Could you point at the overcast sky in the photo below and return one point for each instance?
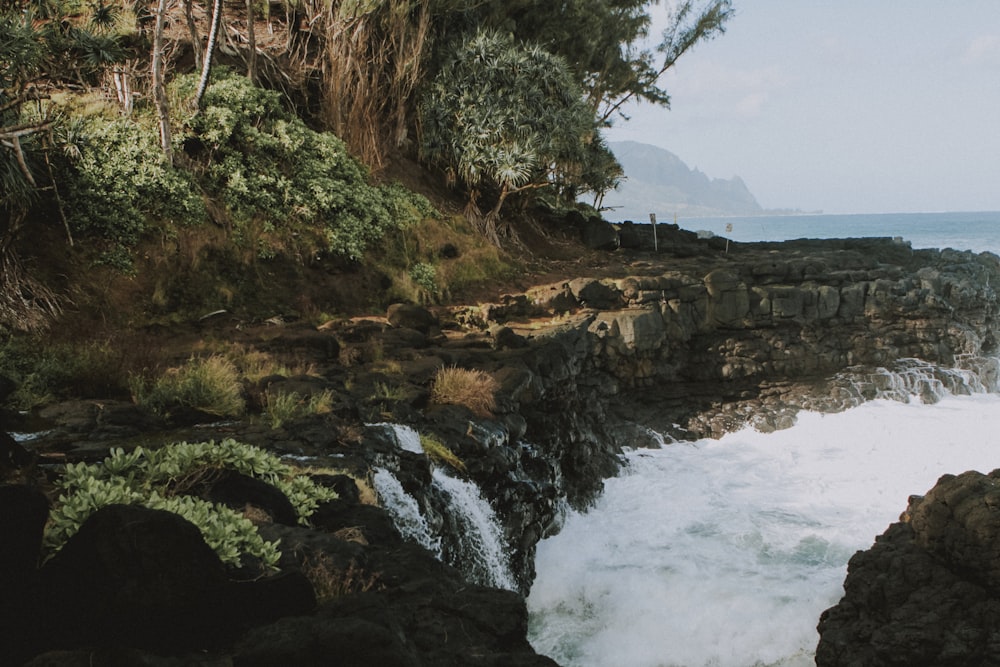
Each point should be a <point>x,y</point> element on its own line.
<point>844,106</point>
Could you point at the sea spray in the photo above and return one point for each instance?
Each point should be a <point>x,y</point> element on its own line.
<point>725,552</point>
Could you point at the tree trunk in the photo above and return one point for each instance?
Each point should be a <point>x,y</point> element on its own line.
<point>193,32</point>
<point>159,86</point>
<point>251,44</point>
<point>206,66</point>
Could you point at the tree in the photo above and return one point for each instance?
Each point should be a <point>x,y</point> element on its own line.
<point>24,302</point>
<point>503,118</point>
<point>159,83</point>
<point>602,40</point>
<point>206,64</point>
<point>36,53</point>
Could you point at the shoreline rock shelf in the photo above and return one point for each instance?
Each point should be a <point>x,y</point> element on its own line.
<point>690,342</point>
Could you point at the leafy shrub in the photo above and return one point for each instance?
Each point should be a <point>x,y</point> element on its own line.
<point>120,185</point>
<point>211,384</point>
<point>474,389</point>
<point>44,374</point>
<point>155,479</point>
<point>425,275</point>
<point>278,178</point>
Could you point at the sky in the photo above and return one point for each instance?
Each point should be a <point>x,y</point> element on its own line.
<point>840,106</point>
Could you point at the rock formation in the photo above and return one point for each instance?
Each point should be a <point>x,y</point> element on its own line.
<point>692,340</point>
<point>928,591</point>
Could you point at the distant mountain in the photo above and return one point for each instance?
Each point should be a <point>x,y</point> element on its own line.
<point>657,181</point>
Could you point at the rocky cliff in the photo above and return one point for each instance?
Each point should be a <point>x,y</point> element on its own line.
<point>926,593</point>
<point>695,339</point>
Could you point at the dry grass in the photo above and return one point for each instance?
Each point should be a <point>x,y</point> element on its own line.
<point>474,389</point>
<point>438,451</point>
<point>330,582</point>
<point>210,384</point>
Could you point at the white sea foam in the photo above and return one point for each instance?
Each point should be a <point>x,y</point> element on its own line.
<point>725,552</point>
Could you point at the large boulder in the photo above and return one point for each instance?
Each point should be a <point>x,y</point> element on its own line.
<point>927,592</point>
<point>598,234</point>
<point>411,316</point>
<point>133,576</point>
<point>23,512</point>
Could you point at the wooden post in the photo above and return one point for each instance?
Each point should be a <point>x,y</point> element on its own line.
<point>652,221</point>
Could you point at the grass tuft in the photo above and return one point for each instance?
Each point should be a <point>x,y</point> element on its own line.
<point>210,384</point>
<point>438,451</point>
<point>283,406</point>
<point>474,389</point>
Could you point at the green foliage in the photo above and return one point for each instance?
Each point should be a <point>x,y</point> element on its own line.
<point>50,372</point>
<point>120,186</point>
<point>425,275</point>
<point>285,406</point>
<point>279,179</point>
<point>211,384</point>
<point>502,116</point>
<point>602,41</point>
<point>155,479</point>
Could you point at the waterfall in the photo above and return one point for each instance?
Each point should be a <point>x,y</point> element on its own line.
<point>405,511</point>
<point>406,437</point>
<point>475,543</point>
<point>482,552</point>
<point>914,378</point>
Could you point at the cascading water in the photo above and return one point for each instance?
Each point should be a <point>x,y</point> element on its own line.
<point>475,542</point>
<point>481,550</point>
<point>914,378</point>
<point>725,552</point>
<point>405,511</point>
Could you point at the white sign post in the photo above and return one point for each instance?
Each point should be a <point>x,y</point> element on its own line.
<point>652,221</point>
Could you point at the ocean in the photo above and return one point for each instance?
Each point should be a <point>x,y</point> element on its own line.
<point>978,231</point>
<point>724,553</point>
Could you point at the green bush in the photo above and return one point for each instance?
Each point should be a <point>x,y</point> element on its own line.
<point>158,478</point>
<point>120,186</point>
<point>425,275</point>
<point>211,384</point>
<point>46,373</point>
<point>281,180</point>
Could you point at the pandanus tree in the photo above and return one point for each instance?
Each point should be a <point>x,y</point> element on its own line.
<point>37,53</point>
<point>503,118</point>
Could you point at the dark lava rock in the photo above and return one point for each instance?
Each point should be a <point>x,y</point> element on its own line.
<point>237,491</point>
<point>23,512</point>
<point>411,317</point>
<point>598,234</point>
<point>145,578</point>
<point>12,454</point>
<point>926,592</point>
